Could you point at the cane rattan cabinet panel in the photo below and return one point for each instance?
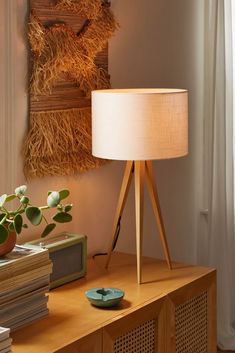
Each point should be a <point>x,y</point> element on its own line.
<point>192,309</point>
<point>191,321</point>
<point>173,311</point>
<point>142,331</point>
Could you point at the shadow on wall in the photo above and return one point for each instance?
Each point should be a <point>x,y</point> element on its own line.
<point>160,44</point>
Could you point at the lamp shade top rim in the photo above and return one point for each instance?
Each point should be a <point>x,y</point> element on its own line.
<point>141,91</point>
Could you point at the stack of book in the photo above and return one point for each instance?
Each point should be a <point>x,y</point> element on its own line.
<point>25,278</point>
<point>5,340</point>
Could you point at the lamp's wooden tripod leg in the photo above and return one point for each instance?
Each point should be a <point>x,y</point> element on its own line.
<point>120,206</point>
<point>157,210</point>
<point>139,196</point>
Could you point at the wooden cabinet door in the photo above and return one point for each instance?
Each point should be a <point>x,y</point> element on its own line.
<point>140,331</point>
<point>91,343</point>
<point>192,310</point>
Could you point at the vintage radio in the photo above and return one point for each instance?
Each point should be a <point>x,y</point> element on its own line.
<point>68,253</point>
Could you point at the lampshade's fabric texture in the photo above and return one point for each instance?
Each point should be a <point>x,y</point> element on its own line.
<point>139,124</point>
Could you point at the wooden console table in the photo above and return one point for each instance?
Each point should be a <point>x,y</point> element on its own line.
<point>171,312</point>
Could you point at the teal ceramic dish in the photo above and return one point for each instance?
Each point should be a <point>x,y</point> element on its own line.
<point>104,297</point>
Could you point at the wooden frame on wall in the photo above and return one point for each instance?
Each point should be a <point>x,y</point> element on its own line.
<point>69,58</point>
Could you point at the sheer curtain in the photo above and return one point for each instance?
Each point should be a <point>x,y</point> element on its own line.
<point>219,137</point>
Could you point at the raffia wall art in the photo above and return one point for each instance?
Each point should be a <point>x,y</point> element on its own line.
<point>69,59</point>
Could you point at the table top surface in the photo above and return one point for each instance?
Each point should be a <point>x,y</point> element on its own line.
<point>71,316</point>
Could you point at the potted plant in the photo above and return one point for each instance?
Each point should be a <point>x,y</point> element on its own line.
<point>12,222</point>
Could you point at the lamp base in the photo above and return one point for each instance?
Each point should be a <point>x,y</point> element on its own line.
<point>142,170</point>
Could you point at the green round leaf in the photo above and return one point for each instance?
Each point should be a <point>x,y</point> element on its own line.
<point>24,199</point>
<point>68,207</point>
<point>34,215</point>
<point>20,190</point>
<point>3,199</point>
<point>3,234</point>
<point>18,222</point>
<point>49,228</point>
<point>63,194</point>
<point>10,197</point>
<point>11,227</point>
<point>62,217</point>
<point>25,225</point>
<point>53,199</point>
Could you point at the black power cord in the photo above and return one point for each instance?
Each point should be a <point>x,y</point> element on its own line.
<point>117,232</point>
<point>118,228</point>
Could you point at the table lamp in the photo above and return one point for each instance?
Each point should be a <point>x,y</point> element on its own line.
<point>138,126</point>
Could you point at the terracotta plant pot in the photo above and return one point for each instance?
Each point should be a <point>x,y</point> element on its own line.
<point>8,245</point>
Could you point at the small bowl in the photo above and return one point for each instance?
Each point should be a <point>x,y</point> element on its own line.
<point>104,297</point>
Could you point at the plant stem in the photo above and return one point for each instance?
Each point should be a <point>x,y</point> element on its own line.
<point>4,219</point>
<point>45,219</point>
<point>44,207</point>
<point>13,213</point>
<point>4,209</point>
<point>19,208</point>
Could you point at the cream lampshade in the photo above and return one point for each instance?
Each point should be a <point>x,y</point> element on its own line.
<point>140,125</point>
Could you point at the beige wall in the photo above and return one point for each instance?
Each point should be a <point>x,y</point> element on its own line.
<point>159,44</point>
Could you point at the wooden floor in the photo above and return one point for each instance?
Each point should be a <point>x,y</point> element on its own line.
<point>219,351</point>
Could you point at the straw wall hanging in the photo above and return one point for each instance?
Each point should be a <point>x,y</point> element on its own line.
<point>68,41</point>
